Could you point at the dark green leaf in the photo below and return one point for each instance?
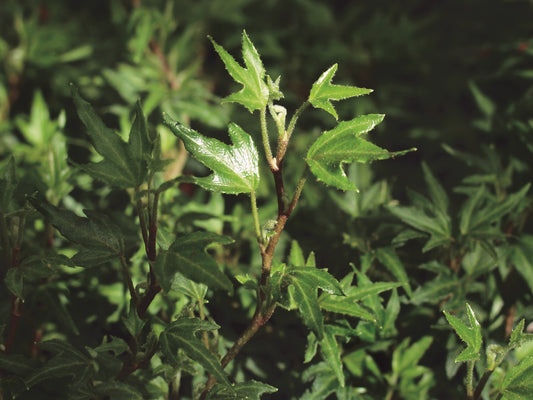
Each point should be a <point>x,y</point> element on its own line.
<point>323,91</point>
<point>8,184</point>
<point>16,363</point>
<point>344,305</point>
<point>436,191</point>
<point>108,144</point>
<point>235,168</point>
<point>470,335</point>
<point>317,278</point>
<point>341,145</point>
<point>139,146</point>
<point>304,292</point>
<point>255,92</point>
<point>132,322</point>
<point>370,289</point>
<point>187,256</point>
<point>116,345</point>
<point>522,258</point>
<point>118,391</point>
<point>251,390</point>
<point>96,233</point>
<point>181,335</point>
<point>388,257</point>
<point>14,281</point>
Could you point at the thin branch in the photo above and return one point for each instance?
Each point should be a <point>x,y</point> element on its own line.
<point>266,140</point>
<point>255,215</point>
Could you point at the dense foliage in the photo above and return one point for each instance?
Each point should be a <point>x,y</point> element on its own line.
<point>188,209</point>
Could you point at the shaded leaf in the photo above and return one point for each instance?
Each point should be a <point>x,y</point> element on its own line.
<point>187,255</point>
<point>331,354</point>
<point>388,257</point>
<point>522,258</point>
<point>323,91</point>
<point>304,293</point>
<point>14,281</point>
<point>181,335</point>
<point>318,278</point>
<point>235,168</point>
<point>518,382</point>
<point>118,391</point>
<point>8,184</point>
<point>436,191</point>
<point>255,92</point>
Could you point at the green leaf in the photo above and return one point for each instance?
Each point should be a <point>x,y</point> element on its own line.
<point>371,289</point>
<point>296,256</point>
<point>388,257</point>
<point>343,144</point>
<point>322,92</point>
<point>14,281</point>
<point>470,335</point>
<point>436,191</point>
<point>8,184</point>
<point>187,256</point>
<point>67,361</point>
<point>331,354</point>
<point>181,335</point>
<point>522,258</point>
<point>255,92</point>
<point>318,278</point>
<point>251,390</point>
<point>518,383</point>
<point>96,233</point>
<point>109,145</point>
<point>344,305</point>
<point>132,322</point>
<point>304,292</point>
<point>406,356</point>
<point>139,146</point>
<point>118,391</point>
<point>16,363</point>
<point>235,168</point>
<point>115,345</point>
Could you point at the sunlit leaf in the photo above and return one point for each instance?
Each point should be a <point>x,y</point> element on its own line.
<point>323,91</point>
<point>235,168</point>
<point>470,335</point>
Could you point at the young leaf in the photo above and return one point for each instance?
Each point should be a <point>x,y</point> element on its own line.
<point>323,91</point>
<point>255,92</point>
<point>343,144</point>
<point>518,383</point>
<point>187,256</point>
<point>251,390</point>
<point>235,168</point>
<point>181,335</point>
<point>117,168</point>
<point>470,335</point>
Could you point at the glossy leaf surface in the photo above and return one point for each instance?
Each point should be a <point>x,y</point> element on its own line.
<point>235,168</point>
<point>343,144</point>
<point>255,92</point>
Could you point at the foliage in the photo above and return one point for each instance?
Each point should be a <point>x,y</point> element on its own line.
<point>148,254</point>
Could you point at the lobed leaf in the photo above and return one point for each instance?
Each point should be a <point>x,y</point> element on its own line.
<point>251,390</point>
<point>235,168</point>
<point>323,91</point>
<point>470,335</point>
<point>187,256</point>
<point>331,354</point>
<point>343,144</point>
<point>304,294</point>
<point>255,92</point>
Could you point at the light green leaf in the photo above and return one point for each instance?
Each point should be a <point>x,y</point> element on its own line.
<point>323,91</point>
<point>518,383</point>
<point>181,335</point>
<point>343,144</point>
<point>108,144</point>
<point>235,168</point>
<point>470,335</point>
<point>255,92</point>
<point>331,354</point>
<point>296,256</point>
<point>388,257</point>
<point>251,390</point>
<point>371,289</point>
<point>187,256</point>
<point>407,356</point>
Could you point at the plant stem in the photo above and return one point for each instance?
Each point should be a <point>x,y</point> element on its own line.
<point>266,140</point>
<point>294,119</point>
<point>470,380</point>
<point>255,215</point>
<point>481,384</point>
